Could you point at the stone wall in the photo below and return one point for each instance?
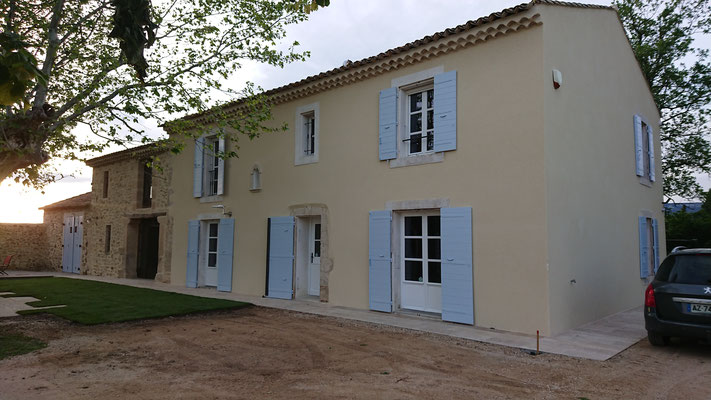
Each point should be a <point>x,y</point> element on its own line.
<point>53,221</point>
<point>28,244</point>
<point>121,206</point>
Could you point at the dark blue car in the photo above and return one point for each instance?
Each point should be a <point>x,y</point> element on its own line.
<point>678,302</point>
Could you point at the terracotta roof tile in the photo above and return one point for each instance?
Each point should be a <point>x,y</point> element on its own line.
<point>507,12</point>
<point>81,201</point>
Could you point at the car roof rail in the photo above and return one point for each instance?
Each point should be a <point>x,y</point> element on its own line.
<point>678,248</point>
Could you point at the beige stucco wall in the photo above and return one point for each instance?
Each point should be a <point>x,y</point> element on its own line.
<point>497,169</point>
<point>593,194</point>
<point>118,209</point>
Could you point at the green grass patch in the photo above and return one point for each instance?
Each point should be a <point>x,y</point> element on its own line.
<point>16,344</point>
<point>90,302</point>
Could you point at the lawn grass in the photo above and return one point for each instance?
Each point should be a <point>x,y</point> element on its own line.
<point>90,302</point>
<point>16,344</point>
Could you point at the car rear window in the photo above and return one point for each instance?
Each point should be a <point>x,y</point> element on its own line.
<point>692,269</point>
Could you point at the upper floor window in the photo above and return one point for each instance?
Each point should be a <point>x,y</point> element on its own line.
<point>420,121</point>
<point>212,165</point>
<point>105,192</point>
<point>644,150</point>
<point>418,118</point>
<point>147,185</point>
<point>306,134</point>
<point>209,167</point>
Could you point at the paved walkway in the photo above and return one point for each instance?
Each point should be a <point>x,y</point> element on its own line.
<point>598,340</point>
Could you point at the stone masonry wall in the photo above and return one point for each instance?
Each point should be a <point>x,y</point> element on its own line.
<point>118,209</point>
<point>28,244</point>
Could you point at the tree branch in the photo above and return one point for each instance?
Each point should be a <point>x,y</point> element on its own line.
<point>41,93</point>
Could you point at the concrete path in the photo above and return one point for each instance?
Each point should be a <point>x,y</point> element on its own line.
<point>599,340</point>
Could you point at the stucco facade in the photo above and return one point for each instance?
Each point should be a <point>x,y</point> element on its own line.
<point>125,208</point>
<point>538,167</point>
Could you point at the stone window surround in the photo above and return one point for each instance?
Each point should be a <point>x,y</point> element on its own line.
<point>300,158</point>
<point>404,84</point>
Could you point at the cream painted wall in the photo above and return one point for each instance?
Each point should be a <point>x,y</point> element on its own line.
<point>593,194</point>
<point>497,169</point>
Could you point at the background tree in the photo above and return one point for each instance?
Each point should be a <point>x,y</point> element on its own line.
<point>662,34</point>
<point>690,229</point>
<point>93,71</point>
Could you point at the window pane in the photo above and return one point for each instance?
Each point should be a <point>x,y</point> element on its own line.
<point>213,230</point>
<point>415,102</point>
<point>430,98</point>
<point>413,271</point>
<point>213,244</point>
<point>413,226</point>
<point>433,225</point>
<point>212,260</point>
<point>416,122</point>
<point>317,248</point>
<point>430,140</point>
<point>434,272</point>
<point>433,249</point>
<point>413,248</point>
<point>415,143</point>
<point>430,119</point>
<point>317,231</point>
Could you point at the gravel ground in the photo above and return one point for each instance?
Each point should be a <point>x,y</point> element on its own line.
<point>275,354</point>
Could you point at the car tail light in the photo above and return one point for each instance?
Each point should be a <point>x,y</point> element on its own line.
<point>649,297</point>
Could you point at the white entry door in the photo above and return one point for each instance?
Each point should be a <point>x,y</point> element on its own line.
<point>421,280</point>
<point>210,262</point>
<point>314,256</point>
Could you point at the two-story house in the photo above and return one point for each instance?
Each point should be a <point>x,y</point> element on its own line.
<point>127,229</point>
<point>502,173</point>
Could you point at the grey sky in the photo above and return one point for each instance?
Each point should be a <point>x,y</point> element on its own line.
<point>346,30</point>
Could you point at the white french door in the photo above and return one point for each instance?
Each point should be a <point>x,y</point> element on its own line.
<point>421,278</point>
<point>210,262</point>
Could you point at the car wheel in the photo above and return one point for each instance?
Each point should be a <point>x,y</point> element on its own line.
<point>656,339</point>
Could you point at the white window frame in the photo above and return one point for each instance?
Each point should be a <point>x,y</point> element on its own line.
<point>406,85</point>
<point>302,154</point>
<point>424,237</point>
<point>422,88</point>
<point>211,165</point>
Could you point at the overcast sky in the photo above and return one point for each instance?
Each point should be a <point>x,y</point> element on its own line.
<point>346,30</point>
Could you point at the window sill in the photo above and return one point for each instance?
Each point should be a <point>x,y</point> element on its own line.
<point>210,199</point>
<point>645,181</point>
<point>306,160</point>
<point>419,159</point>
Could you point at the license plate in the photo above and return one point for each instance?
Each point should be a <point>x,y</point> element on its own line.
<point>699,308</point>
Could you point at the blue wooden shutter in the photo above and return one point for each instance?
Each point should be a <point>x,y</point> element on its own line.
<point>457,272</point>
<point>445,111</point>
<point>388,124</point>
<point>643,248</point>
<point>638,144</point>
<point>656,244</point>
<point>78,240</point>
<point>281,257</point>
<point>225,251</point>
<point>191,275</point>
<point>68,243</point>
<point>221,167</point>
<point>197,167</point>
<point>650,139</point>
<point>379,256</point>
